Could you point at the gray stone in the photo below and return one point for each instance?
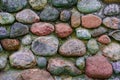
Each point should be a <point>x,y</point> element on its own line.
<point>3,33</point>
<point>116,67</point>
<point>41,62</point>
<point>3,62</point>
<point>80,63</point>
<point>65,15</point>
<point>27,40</point>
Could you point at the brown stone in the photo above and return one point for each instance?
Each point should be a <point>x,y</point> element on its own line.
<point>36,74</point>
<point>42,28</point>
<point>104,39</point>
<point>91,21</point>
<point>63,30</point>
<point>10,44</point>
<point>98,67</point>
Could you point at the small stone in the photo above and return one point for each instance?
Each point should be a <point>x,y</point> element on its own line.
<point>104,39</point>
<point>36,74</point>
<point>3,33</point>
<point>112,51</point>
<point>42,28</point>
<point>87,6</point>
<point>80,63</point>
<point>112,9</point>
<point>1,49</point>
<point>26,40</point>
<point>6,18</point>
<point>65,15</point>
<point>75,19</point>
<point>58,66</point>
<point>37,4</point>
<point>63,30</point>
<point>112,22</point>
<point>13,5</point>
<point>64,3</point>
<point>83,33</point>
<point>49,14</point>
<point>91,21</point>
<point>115,34</point>
<point>27,16</point>
<point>10,44</point>
<point>116,67</point>
<point>41,62</point>
<point>22,59</point>
<point>73,47</point>
<point>92,46</point>
<point>98,67</point>
<point>18,29</point>
<point>98,31</point>
<point>45,46</point>
<point>3,62</point>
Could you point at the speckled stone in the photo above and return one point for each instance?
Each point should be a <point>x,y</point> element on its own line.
<point>27,16</point>
<point>115,35</point>
<point>23,58</point>
<point>87,6</point>
<point>45,46</point>
<point>116,67</point>
<point>83,33</point>
<point>13,5</point>
<point>6,18</point>
<point>49,14</point>
<point>37,4</point>
<point>80,63</point>
<point>1,49</point>
<point>3,33</point>
<point>26,40</point>
<point>65,15</point>
<point>72,47</point>
<point>104,39</point>
<point>18,29</point>
<point>3,62</point>
<point>41,62</point>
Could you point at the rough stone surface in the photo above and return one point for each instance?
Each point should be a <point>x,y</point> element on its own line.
<point>10,44</point>
<point>45,46</point>
<point>115,34</point>
<point>41,62</point>
<point>27,16</point>
<point>73,47</point>
<point>63,30</point>
<point>36,74</point>
<point>59,66</point>
<point>91,21</point>
<point>104,39</point>
<point>3,33</point>
<point>22,59</point>
<point>26,40</point>
<point>65,15</point>
<point>3,62</point>
<point>98,67</point>
<point>42,28</point>
<point>80,63</point>
<point>112,51</point>
<point>116,67</point>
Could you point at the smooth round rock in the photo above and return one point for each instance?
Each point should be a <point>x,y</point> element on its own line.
<point>10,44</point>
<point>41,62</point>
<point>92,46</point>
<point>73,47</point>
<point>22,59</point>
<point>3,33</point>
<point>49,14</point>
<point>37,4</point>
<point>65,15</point>
<point>57,66</point>
<point>63,30</point>
<point>83,33</point>
<point>36,74</point>
<point>115,34</point>
<point>13,5</point>
<point>42,28</point>
<point>112,51</point>
<point>111,10</point>
<point>64,3</point>
<point>116,67</point>
<point>87,6</point>
<point>18,29</point>
<point>45,46</point>
<point>27,16</point>
<point>3,62</point>
<point>80,63</point>
<point>26,40</point>
<point>6,18</point>
<point>98,67</point>
<point>112,22</point>
<point>91,21</point>
<point>104,39</point>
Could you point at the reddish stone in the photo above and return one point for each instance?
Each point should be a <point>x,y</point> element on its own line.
<point>98,67</point>
<point>91,21</point>
<point>42,28</point>
<point>104,39</point>
<point>10,44</point>
<point>63,30</point>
